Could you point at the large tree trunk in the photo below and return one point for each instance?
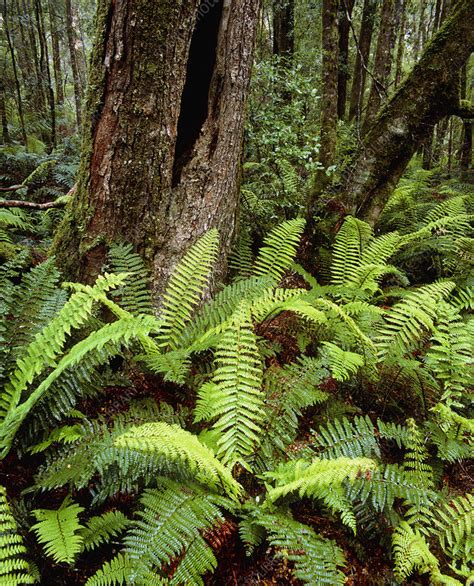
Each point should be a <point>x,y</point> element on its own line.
<point>362,59</point>
<point>163,132</point>
<point>345,14</point>
<point>383,59</point>
<point>426,96</point>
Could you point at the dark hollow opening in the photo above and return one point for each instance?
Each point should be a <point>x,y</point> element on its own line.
<point>195,98</point>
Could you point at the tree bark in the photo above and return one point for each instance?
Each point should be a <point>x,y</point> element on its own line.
<point>58,76</point>
<point>158,171</point>
<point>362,59</point>
<point>74,57</point>
<point>383,60</point>
<point>401,44</point>
<point>284,28</point>
<point>3,114</point>
<point>345,14</point>
<point>426,96</point>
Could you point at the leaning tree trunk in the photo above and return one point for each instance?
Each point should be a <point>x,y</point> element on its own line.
<point>163,133</point>
<point>362,59</point>
<point>426,96</point>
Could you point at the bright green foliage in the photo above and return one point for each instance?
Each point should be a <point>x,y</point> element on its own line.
<point>60,531</point>
<point>411,552</point>
<point>412,318</point>
<point>341,437</point>
<point>241,258</point>
<point>134,293</point>
<point>235,399</point>
<point>279,249</point>
<point>343,365</point>
<point>313,478</point>
<point>317,560</point>
<point>171,525</point>
<point>14,569</point>
<point>453,524</point>
<point>186,287</point>
<point>170,443</point>
<point>103,528</point>
<point>118,571</point>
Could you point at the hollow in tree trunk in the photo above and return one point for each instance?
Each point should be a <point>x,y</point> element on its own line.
<point>163,133</point>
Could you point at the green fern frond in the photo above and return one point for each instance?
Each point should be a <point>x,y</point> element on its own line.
<point>101,529</point>
<point>170,443</point>
<point>60,531</point>
<point>236,401</point>
<point>411,319</point>
<point>347,250</point>
<point>317,560</point>
<point>117,571</point>
<point>186,287</point>
<point>134,293</point>
<point>342,437</point>
<point>279,249</point>
<point>312,478</point>
<point>241,258</point>
<point>171,526</point>
<point>411,552</point>
<point>14,569</point>
<point>453,524</point>
<point>343,365</point>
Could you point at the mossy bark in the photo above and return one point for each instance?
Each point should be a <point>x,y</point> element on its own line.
<point>162,134</point>
<point>425,97</point>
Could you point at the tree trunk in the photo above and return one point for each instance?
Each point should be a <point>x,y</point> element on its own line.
<point>15,73</point>
<point>45,72</point>
<point>426,96</point>
<point>158,171</point>
<point>465,150</point>
<point>401,44</point>
<point>383,60</point>
<point>284,28</point>
<point>3,114</point>
<point>420,34</point>
<point>58,76</point>
<point>75,62</point>
<point>345,14</point>
<point>362,59</point>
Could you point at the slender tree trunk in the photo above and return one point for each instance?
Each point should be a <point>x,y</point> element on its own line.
<point>159,171</point>
<point>284,28</point>
<point>3,114</point>
<point>383,60</point>
<point>465,150</point>
<point>362,59</point>
<point>39,94</point>
<point>420,34</point>
<point>345,14</point>
<point>58,76</point>
<point>46,72</point>
<point>75,62</point>
<point>427,95</point>
<point>401,44</point>
<point>15,73</point>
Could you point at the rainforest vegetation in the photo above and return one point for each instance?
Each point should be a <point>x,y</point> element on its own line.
<point>236,292</point>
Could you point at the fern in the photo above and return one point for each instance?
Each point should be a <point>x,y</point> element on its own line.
<point>169,443</point>
<point>101,529</point>
<point>117,571</point>
<point>452,524</point>
<point>241,258</point>
<point>186,287</point>
<point>279,249</point>
<point>313,478</point>
<point>134,293</point>
<point>352,439</point>
<point>411,552</point>
<point>236,399</point>
<point>343,365</point>
<point>14,569</point>
<point>60,531</point>
<point>169,527</point>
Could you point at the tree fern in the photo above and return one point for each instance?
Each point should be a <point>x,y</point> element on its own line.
<point>14,568</point>
<point>279,249</point>
<point>170,443</point>
<point>186,287</point>
<point>236,401</point>
<point>60,531</point>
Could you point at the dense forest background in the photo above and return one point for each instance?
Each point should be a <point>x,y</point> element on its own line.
<point>236,268</point>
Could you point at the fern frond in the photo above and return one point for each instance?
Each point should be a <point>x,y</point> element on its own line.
<point>14,569</point>
<point>186,287</point>
<point>342,437</point>
<point>343,365</point>
<point>117,571</point>
<point>347,250</point>
<point>411,552</point>
<point>170,443</point>
<point>453,523</point>
<point>241,258</point>
<point>311,478</point>
<point>279,249</point>
<point>101,529</point>
<point>60,531</point>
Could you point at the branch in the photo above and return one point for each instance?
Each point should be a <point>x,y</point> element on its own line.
<point>32,205</point>
<point>12,188</point>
